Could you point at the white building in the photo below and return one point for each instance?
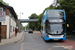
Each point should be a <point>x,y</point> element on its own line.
<point>8,26</point>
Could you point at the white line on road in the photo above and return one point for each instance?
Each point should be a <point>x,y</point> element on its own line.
<point>65,47</point>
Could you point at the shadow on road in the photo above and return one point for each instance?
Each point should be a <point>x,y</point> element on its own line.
<point>54,41</point>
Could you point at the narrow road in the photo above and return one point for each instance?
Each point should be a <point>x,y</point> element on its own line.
<point>31,41</point>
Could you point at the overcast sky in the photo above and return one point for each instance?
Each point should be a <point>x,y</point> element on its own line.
<point>27,7</point>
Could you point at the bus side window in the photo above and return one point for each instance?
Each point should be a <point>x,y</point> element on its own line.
<point>61,13</point>
<point>46,25</point>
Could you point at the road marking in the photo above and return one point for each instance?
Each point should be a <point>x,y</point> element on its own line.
<point>64,46</point>
<point>22,46</point>
<point>60,45</point>
<point>50,48</point>
<point>40,44</point>
<point>21,43</point>
<point>35,49</point>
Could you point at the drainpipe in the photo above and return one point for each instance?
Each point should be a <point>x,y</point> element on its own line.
<point>9,26</point>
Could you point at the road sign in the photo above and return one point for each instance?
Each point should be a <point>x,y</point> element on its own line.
<point>2,16</point>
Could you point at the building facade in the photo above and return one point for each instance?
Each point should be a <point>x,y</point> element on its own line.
<point>8,26</point>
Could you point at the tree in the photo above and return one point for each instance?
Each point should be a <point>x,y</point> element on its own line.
<point>4,2</point>
<point>33,16</point>
<point>27,27</point>
<point>33,26</point>
<point>69,7</point>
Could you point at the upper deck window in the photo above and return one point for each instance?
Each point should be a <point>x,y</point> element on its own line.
<point>55,13</point>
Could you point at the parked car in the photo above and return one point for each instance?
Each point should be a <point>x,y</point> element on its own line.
<point>30,31</point>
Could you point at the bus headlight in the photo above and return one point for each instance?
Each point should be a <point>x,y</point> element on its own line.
<point>63,34</point>
<point>47,35</point>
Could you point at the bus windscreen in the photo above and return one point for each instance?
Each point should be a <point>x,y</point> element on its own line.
<point>54,29</point>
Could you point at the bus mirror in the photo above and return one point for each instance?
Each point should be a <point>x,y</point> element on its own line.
<point>67,25</point>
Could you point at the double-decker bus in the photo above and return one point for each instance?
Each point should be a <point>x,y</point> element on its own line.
<point>53,25</point>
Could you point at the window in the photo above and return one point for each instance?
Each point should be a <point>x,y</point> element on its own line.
<point>1,9</point>
<point>4,9</point>
<point>54,28</point>
<point>55,13</point>
<point>56,20</point>
<point>41,28</point>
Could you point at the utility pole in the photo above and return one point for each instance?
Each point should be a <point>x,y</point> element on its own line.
<point>20,18</point>
<point>20,14</point>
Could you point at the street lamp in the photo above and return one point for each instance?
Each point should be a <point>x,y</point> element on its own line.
<point>20,14</point>
<point>20,18</point>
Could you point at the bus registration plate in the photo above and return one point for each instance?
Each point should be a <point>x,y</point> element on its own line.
<point>56,39</point>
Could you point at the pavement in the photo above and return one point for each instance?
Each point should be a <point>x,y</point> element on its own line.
<point>71,37</point>
<point>14,39</point>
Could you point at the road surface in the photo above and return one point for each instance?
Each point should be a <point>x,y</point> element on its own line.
<point>31,41</point>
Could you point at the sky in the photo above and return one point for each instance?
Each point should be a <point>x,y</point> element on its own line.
<point>28,7</point>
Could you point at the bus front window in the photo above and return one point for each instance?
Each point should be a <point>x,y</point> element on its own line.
<point>54,28</point>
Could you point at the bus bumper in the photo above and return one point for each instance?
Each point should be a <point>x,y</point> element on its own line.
<point>47,38</point>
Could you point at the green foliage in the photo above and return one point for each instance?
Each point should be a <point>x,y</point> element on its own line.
<point>21,24</point>
<point>40,18</point>
<point>4,2</point>
<point>16,14</point>
<point>33,25</point>
<point>69,7</point>
<point>27,27</point>
<point>33,16</point>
